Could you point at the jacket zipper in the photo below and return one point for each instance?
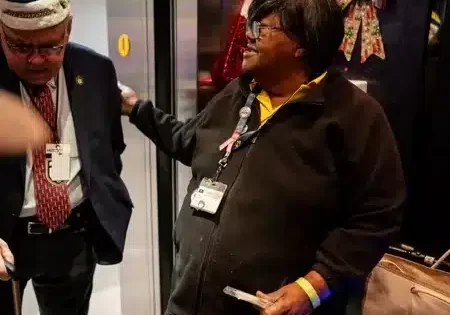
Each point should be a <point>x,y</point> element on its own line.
<point>206,257</point>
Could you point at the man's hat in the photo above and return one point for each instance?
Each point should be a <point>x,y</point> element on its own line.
<point>33,14</point>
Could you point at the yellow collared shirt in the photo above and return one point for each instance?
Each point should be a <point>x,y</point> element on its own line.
<point>268,110</point>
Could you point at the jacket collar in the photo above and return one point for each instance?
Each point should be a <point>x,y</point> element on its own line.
<point>314,97</point>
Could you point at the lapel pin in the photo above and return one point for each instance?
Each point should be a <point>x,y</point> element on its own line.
<point>79,80</point>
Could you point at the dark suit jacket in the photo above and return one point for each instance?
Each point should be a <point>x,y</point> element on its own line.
<point>95,106</point>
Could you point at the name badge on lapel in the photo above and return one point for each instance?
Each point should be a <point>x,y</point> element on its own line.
<point>208,196</point>
<point>57,162</point>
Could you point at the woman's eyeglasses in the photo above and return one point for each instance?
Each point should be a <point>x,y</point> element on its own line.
<point>255,28</point>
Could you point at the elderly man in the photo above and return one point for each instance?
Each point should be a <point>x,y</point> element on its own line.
<point>296,183</point>
<point>63,205</point>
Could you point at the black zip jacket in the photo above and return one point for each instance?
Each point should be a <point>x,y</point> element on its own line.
<point>319,187</point>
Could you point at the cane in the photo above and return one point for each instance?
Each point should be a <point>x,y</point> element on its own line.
<point>15,288</point>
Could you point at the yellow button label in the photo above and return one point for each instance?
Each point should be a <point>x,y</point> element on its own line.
<point>123,45</point>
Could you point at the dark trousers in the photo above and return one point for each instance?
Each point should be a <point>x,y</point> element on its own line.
<point>60,266</point>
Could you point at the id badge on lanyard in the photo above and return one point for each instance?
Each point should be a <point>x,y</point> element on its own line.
<point>57,162</point>
<point>208,196</point>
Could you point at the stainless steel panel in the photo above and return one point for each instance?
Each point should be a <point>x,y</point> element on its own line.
<point>138,273</point>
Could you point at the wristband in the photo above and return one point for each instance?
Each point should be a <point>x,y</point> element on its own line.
<point>310,292</point>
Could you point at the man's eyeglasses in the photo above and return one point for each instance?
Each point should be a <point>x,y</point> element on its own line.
<point>28,50</point>
<point>255,28</point>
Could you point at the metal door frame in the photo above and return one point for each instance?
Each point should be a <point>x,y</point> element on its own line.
<point>165,48</point>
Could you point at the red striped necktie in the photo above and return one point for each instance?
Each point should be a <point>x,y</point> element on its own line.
<point>52,199</point>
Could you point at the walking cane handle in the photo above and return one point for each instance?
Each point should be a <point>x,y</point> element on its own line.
<point>10,268</point>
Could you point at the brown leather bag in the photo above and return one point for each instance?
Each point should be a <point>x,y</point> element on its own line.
<point>398,286</point>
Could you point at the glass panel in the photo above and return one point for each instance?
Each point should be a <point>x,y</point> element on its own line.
<point>139,273</point>
<point>218,21</point>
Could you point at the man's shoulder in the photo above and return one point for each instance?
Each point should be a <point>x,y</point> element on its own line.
<point>85,54</point>
<point>235,86</point>
<point>229,91</point>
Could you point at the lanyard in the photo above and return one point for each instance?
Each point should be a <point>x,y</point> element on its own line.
<point>244,114</point>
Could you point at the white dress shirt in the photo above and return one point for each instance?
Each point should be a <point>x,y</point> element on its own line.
<point>66,132</point>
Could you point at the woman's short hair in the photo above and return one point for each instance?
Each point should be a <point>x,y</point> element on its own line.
<point>317,25</point>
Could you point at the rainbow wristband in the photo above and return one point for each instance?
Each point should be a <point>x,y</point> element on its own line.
<point>310,292</point>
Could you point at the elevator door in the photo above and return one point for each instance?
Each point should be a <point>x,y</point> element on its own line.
<point>130,25</point>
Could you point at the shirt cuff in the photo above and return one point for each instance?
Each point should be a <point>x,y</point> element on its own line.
<point>327,275</point>
<point>134,111</point>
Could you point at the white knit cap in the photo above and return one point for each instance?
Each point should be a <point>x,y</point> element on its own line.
<point>33,14</point>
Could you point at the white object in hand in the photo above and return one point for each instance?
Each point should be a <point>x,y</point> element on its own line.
<point>252,299</point>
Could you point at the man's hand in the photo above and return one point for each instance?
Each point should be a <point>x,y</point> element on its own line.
<point>5,254</point>
<point>289,300</point>
<point>20,127</point>
<point>129,99</point>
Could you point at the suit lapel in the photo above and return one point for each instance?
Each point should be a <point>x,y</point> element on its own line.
<point>10,82</point>
<point>77,94</point>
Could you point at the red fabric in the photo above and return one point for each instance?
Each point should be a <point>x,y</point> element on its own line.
<point>52,200</point>
<point>228,65</point>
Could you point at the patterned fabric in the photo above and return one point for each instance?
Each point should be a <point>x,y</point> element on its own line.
<point>362,14</point>
<point>380,4</point>
<point>52,199</point>
<point>435,25</point>
<point>30,15</point>
<point>33,14</point>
